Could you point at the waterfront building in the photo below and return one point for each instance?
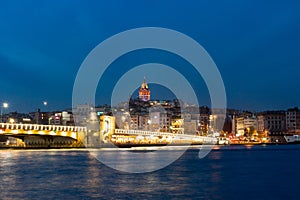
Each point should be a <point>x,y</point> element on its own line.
<point>271,122</point>
<point>246,125</point>
<point>228,123</point>
<point>203,123</point>
<point>233,126</point>
<point>293,120</point>
<point>216,122</point>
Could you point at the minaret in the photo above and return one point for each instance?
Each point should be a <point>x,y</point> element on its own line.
<point>144,93</point>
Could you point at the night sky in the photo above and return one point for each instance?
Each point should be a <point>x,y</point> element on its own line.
<point>255,45</point>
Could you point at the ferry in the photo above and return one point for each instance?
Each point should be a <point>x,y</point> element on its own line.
<point>292,138</point>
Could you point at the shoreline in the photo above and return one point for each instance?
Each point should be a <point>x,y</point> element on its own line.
<point>140,146</point>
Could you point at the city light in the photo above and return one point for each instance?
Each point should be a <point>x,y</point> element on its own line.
<point>5,105</point>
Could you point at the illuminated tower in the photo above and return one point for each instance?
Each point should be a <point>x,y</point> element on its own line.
<point>144,93</point>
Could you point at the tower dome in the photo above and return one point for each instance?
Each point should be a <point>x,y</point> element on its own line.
<point>144,93</point>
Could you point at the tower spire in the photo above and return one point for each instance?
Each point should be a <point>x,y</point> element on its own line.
<point>144,84</point>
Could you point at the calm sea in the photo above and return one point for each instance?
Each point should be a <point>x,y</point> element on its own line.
<point>231,172</point>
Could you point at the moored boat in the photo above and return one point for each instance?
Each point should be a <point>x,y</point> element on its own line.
<point>292,138</point>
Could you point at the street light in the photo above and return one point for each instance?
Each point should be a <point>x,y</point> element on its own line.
<point>4,105</point>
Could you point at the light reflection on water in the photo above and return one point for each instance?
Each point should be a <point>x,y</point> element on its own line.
<point>227,173</point>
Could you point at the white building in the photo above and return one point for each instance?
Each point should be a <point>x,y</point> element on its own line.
<point>245,124</point>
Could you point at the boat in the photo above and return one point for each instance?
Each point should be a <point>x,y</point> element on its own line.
<point>292,139</point>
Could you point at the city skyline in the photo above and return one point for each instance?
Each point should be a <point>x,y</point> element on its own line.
<point>254,44</point>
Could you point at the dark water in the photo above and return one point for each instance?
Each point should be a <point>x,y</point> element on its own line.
<point>234,172</point>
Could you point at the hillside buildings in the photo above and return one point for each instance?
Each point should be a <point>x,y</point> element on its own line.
<point>143,113</point>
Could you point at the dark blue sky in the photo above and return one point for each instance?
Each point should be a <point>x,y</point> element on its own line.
<point>255,45</point>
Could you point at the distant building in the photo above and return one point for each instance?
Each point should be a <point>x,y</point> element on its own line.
<point>139,122</point>
<point>245,125</point>
<point>15,117</point>
<point>82,114</point>
<point>134,122</point>
<point>159,121</point>
<point>203,123</point>
<point>39,117</point>
<point>216,122</point>
<point>144,122</point>
<point>190,127</point>
<point>293,120</point>
<point>55,119</point>
<point>62,118</point>
<point>144,93</point>
<point>271,122</point>
<point>177,126</point>
<point>122,120</point>
<point>228,123</point>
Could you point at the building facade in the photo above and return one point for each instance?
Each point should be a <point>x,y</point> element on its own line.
<point>271,122</point>
<point>293,120</point>
<point>245,125</point>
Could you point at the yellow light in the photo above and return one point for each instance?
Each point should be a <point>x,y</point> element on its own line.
<point>41,132</point>
<point>73,135</point>
<point>52,133</point>
<point>14,131</point>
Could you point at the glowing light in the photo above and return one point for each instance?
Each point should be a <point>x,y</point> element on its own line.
<point>73,135</point>
<point>5,105</point>
<point>52,133</point>
<point>41,132</point>
<point>11,120</point>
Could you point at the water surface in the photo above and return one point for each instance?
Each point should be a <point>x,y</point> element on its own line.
<point>231,172</point>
